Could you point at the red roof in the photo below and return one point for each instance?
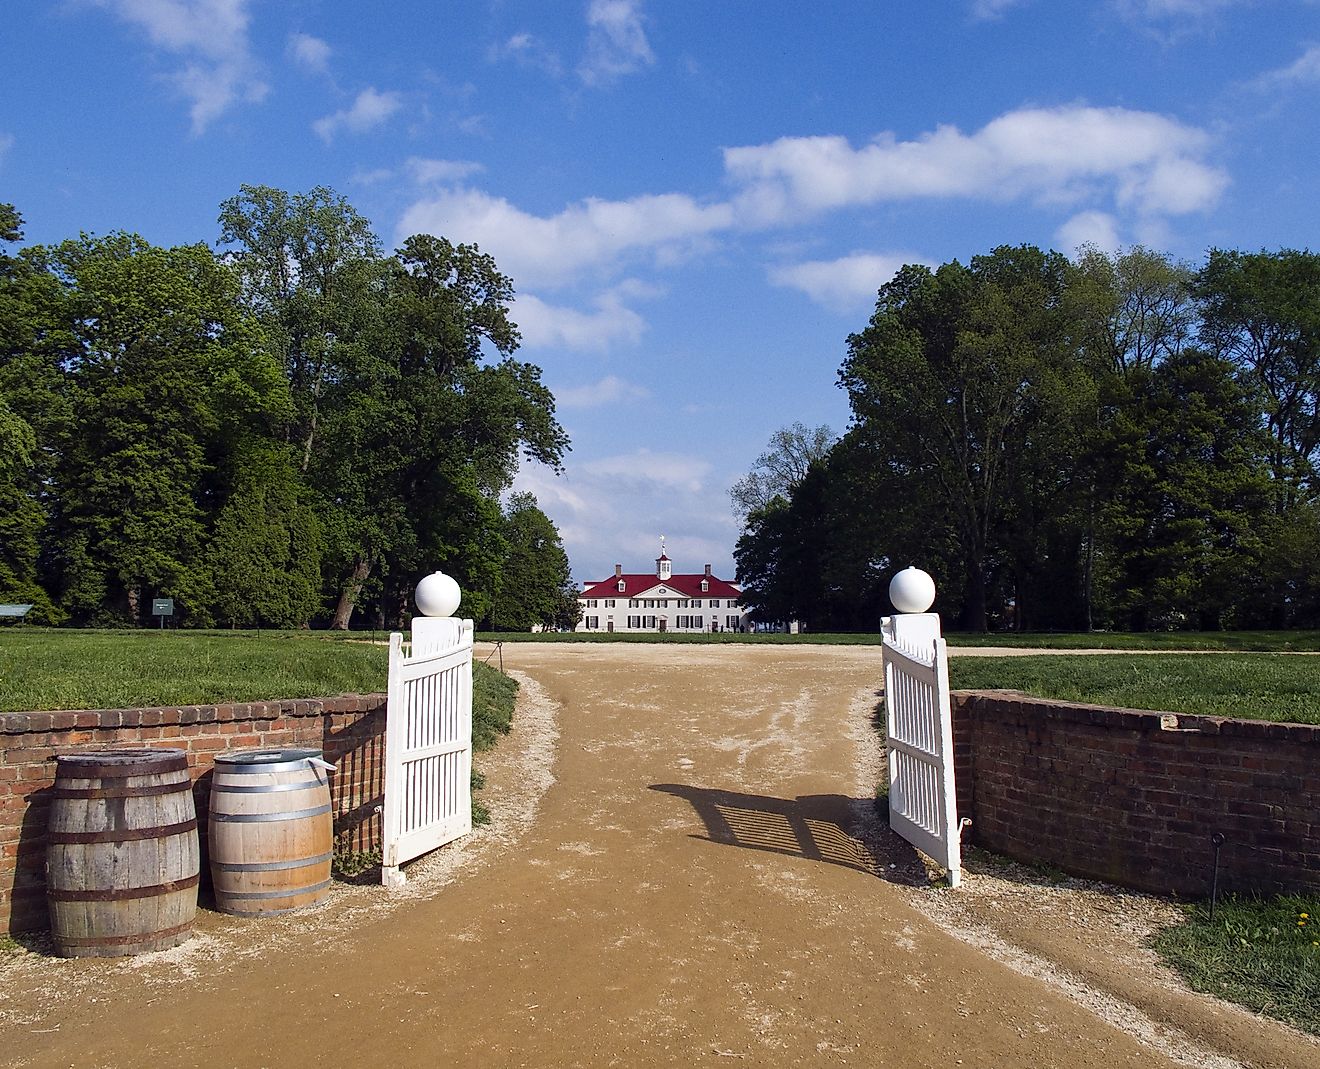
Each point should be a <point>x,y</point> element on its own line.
<point>681,586</point>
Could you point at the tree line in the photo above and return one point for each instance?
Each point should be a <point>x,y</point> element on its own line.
<point>286,431</point>
<point>1117,441</point>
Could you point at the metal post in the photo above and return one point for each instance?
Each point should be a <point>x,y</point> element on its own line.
<point>1217,840</point>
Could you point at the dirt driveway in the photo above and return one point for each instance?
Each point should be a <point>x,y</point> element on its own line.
<point>680,872</point>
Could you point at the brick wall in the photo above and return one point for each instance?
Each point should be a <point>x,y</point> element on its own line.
<point>1134,797</point>
<point>349,730</point>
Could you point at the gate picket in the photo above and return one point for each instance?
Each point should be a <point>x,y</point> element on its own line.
<point>428,747</point>
<point>919,727</point>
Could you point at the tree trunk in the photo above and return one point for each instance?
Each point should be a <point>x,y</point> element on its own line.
<point>973,610</point>
<point>349,594</point>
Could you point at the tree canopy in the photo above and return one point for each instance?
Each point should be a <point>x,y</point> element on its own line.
<point>284,432</point>
<point>1117,441</point>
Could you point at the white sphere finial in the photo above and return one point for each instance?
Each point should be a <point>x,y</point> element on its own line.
<point>437,595</point>
<point>912,590</point>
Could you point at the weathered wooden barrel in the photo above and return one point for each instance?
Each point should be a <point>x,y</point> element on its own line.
<point>121,853</point>
<point>270,831</point>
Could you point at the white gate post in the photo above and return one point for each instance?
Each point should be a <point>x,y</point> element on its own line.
<point>923,805</point>
<point>428,731</point>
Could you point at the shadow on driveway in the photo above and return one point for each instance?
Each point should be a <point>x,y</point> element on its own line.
<point>818,827</point>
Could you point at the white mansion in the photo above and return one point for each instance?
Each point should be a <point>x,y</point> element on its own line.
<point>661,601</point>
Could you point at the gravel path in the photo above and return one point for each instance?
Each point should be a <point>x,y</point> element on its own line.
<point>684,869</point>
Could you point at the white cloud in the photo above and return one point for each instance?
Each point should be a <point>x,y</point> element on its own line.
<point>645,469</point>
<point>844,284</point>
<point>1174,9</point>
<point>616,41</point>
<point>310,53</point>
<point>611,390</point>
<point>1089,228</point>
<point>370,109</point>
<point>1302,71</point>
<point>372,177</point>
<point>432,172</point>
<point>992,9</point>
<point>615,509</point>
<point>543,324</point>
<point>539,251</point>
<point>528,50</point>
<point>1141,164</point>
<point>1056,155</point>
<point>210,37</point>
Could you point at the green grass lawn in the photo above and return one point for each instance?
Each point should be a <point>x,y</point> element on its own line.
<point>1261,953</point>
<point>683,637</point>
<point>52,669</point>
<point>1228,641</point>
<point>1253,686</point>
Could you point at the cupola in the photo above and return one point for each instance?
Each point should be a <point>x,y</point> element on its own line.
<point>663,566</point>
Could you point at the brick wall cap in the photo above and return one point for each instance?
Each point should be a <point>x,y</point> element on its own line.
<point>1144,719</point>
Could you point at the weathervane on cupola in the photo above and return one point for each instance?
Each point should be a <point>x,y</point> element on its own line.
<point>663,567</point>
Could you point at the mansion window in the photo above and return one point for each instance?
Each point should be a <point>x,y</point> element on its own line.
<point>609,603</point>
<point>593,622</point>
<point>696,603</point>
<point>634,622</point>
<point>591,603</point>
<point>731,623</point>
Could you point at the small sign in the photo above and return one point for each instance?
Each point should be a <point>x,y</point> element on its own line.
<point>162,606</point>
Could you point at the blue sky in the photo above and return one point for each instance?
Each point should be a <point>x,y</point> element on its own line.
<point>696,201</point>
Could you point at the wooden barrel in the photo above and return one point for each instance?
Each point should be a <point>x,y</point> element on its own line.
<point>270,831</point>
<point>121,853</point>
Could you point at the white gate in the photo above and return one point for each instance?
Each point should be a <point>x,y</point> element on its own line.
<point>428,743</point>
<point>919,726</point>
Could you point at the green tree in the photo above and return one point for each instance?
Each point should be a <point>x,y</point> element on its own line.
<point>21,518</point>
<point>32,411</point>
<point>536,585</point>
<point>264,555</point>
<point>408,430</point>
<point>781,468</point>
<point>1183,525</point>
<point>164,371</point>
<point>1262,312</point>
<point>962,377</point>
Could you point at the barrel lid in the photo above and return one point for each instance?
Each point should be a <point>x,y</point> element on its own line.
<point>122,762</point>
<point>255,761</point>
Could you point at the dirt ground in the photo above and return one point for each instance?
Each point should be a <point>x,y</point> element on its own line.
<point>684,868</point>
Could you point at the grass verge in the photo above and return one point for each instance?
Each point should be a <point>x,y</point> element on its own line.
<point>1221,641</point>
<point>719,638</point>
<point>493,698</point>
<point>1250,686</point>
<point>50,669</point>
<point>1173,641</point>
<point>1263,954</point>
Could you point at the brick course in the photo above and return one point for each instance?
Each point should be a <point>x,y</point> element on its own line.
<point>350,730</point>
<point>1134,797</point>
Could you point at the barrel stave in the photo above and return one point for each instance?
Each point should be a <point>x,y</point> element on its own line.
<point>123,859</point>
<point>270,834</point>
